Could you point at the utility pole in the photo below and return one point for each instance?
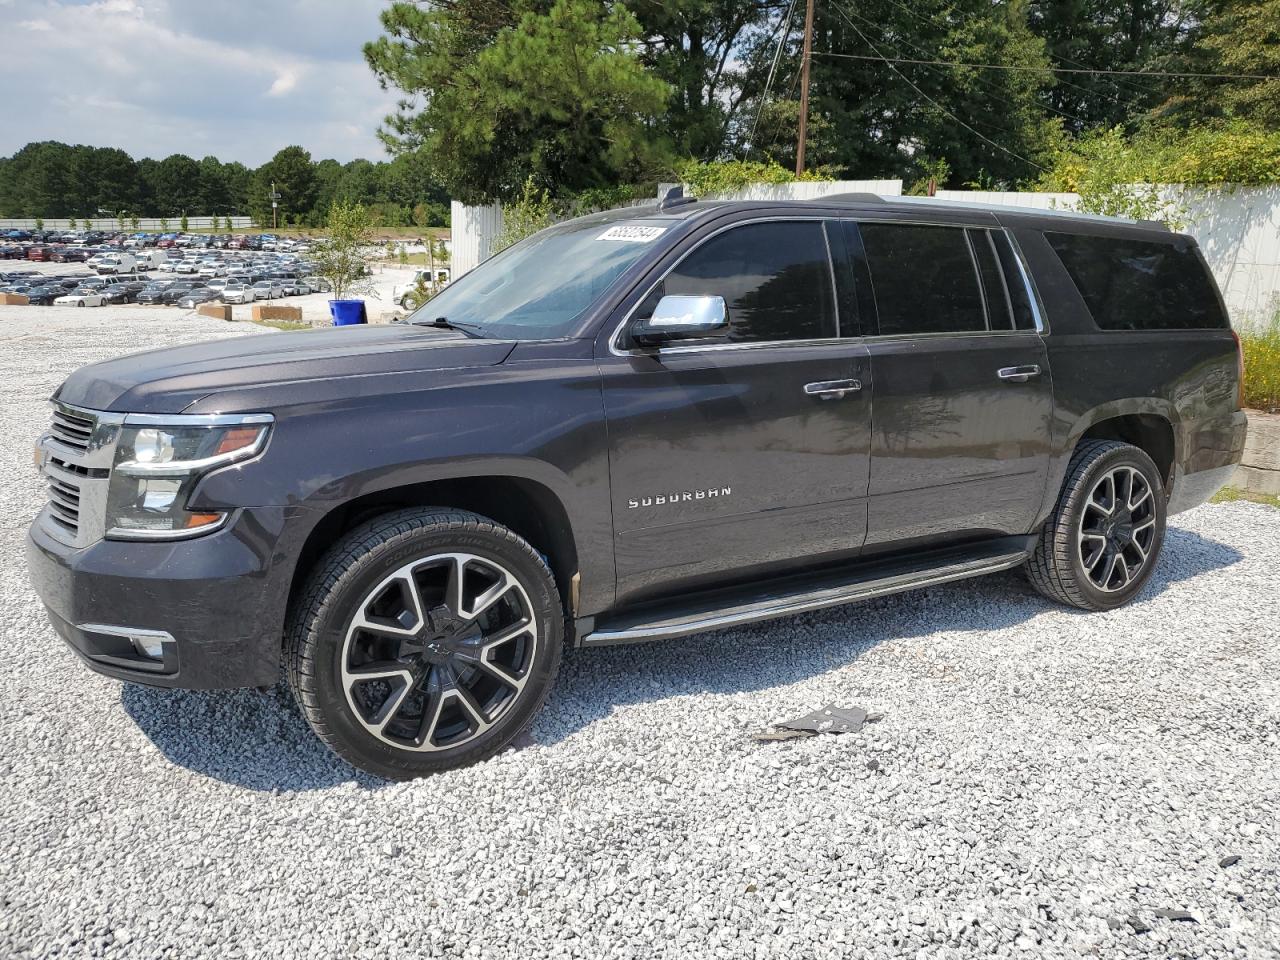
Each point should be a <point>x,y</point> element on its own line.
<point>275,204</point>
<point>804,85</point>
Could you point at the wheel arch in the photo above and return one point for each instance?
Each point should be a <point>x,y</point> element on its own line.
<point>1150,424</point>
<point>526,506</point>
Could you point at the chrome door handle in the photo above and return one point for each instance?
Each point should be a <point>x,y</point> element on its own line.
<point>832,389</point>
<point>1018,374</point>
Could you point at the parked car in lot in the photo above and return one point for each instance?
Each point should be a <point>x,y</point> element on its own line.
<point>238,293</point>
<point>81,298</point>
<point>39,254</point>
<point>43,295</point>
<point>114,263</point>
<point>863,396</point>
<point>153,293</point>
<point>70,255</point>
<point>178,290</point>
<point>295,288</point>
<point>267,290</point>
<point>193,298</point>
<point>123,292</point>
<point>185,266</point>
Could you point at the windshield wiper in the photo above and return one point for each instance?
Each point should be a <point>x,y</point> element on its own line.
<point>444,323</point>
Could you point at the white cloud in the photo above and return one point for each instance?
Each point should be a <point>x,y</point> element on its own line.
<point>285,81</point>
<point>238,78</point>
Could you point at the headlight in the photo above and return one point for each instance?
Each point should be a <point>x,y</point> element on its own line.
<point>159,461</point>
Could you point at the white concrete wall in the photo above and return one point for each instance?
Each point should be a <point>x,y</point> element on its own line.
<point>1239,231</point>
<point>151,224</point>
<point>472,233</point>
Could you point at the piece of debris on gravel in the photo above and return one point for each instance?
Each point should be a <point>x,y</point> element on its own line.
<point>1139,746</point>
<point>1182,916</point>
<point>830,719</point>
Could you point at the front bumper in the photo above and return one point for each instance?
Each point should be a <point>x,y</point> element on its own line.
<point>221,597</point>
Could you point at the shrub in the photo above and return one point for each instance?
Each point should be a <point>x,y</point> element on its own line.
<point>1262,365</point>
<point>340,258</point>
<point>726,176</point>
<point>533,211</point>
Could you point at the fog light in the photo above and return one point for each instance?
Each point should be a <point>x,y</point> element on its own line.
<point>151,647</point>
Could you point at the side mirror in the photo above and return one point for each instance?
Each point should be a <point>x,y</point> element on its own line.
<point>681,318</point>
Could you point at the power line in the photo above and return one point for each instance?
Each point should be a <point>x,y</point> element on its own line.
<point>785,26</point>
<point>937,106</point>
<point>988,84</point>
<point>1065,59</point>
<point>1021,69</point>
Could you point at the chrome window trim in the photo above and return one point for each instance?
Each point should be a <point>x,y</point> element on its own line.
<point>614,338</point>
<point>977,276</point>
<point>1033,295</point>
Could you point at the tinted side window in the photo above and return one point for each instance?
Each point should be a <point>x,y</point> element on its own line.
<point>924,279</point>
<point>775,279</point>
<point>1139,285</point>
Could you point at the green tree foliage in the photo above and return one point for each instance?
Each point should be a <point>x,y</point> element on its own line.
<point>526,215</point>
<point>175,184</point>
<point>497,94</point>
<point>1118,175</point>
<point>697,47</point>
<point>872,118</point>
<point>340,257</point>
<point>292,173</point>
<point>1131,35</point>
<point>1233,37</point>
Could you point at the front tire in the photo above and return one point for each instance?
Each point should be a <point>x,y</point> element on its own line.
<point>1102,541</point>
<point>426,639</point>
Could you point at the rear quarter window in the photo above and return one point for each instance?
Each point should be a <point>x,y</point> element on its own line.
<point>1139,285</point>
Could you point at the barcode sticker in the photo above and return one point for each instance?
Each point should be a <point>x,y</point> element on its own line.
<point>632,233</point>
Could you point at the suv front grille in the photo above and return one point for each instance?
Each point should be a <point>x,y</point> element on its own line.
<point>64,504</point>
<point>71,430</point>
<point>79,449</point>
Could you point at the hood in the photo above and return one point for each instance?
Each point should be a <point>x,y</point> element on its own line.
<point>169,380</point>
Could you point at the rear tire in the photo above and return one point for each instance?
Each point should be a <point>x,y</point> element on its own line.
<point>1103,538</point>
<point>426,639</point>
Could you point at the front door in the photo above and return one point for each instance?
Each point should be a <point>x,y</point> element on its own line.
<point>733,458</point>
<point>963,398</point>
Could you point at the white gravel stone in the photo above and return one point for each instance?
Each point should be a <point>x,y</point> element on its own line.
<point>1037,771</point>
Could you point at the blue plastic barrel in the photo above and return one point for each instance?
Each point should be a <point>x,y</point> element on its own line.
<point>347,312</point>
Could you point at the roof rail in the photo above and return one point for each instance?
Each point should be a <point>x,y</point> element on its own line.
<point>848,198</point>
<point>1037,211</point>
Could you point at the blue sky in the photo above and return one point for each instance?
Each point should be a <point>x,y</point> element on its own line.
<point>235,78</point>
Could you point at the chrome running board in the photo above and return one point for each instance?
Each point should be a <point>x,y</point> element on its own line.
<point>793,596</point>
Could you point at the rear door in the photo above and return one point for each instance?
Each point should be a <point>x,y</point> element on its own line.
<point>964,400</point>
<point>733,457</point>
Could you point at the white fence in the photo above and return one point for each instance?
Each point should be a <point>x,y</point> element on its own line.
<point>1238,228</point>
<point>151,224</point>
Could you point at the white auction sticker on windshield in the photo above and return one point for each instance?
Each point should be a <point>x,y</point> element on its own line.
<point>632,233</point>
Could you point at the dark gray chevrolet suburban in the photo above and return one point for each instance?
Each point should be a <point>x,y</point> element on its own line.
<point>635,425</point>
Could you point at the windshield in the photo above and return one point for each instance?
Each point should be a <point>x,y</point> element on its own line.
<point>537,289</point>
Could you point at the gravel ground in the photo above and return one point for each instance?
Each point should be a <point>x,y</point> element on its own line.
<point>1038,776</point>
